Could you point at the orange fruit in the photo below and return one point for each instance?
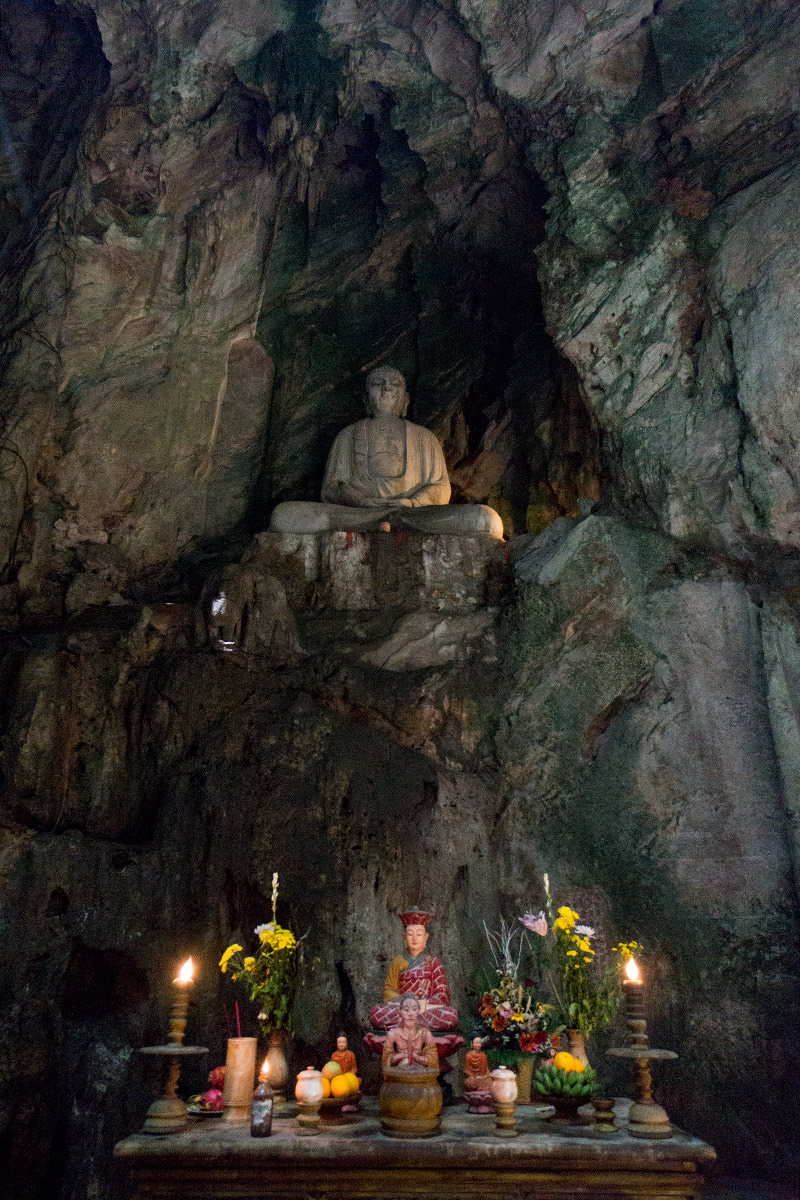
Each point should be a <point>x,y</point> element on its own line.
<point>330,1069</point>
<point>326,1087</point>
<point>352,1081</point>
<point>578,1066</point>
<point>340,1086</point>
<point>563,1061</point>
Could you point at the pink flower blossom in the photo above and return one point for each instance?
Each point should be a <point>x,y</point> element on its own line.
<point>535,924</point>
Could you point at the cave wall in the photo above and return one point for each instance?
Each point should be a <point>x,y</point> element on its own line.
<point>573,227</point>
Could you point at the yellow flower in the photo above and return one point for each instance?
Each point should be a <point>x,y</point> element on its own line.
<point>223,962</point>
<point>567,919</point>
<point>518,1017</point>
<point>587,960</point>
<point>249,963</point>
<point>274,937</point>
<point>571,953</point>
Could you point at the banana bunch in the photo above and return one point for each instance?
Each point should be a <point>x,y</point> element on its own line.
<point>555,1081</point>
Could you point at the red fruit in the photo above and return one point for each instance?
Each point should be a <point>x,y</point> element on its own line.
<point>212,1100</point>
<point>216,1078</point>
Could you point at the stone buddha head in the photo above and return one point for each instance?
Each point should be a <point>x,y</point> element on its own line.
<point>385,392</point>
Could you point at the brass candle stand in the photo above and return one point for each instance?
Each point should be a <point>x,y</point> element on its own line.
<point>646,1119</point>
<point>168,1114</point>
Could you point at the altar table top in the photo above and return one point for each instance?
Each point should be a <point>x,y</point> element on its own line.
<point>355,1159</point>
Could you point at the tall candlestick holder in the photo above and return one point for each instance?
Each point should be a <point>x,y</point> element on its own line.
<point>169,1114</point>
<point>646,1119</point>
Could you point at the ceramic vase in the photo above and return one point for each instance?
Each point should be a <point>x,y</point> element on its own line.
<point>577,1046</point>
<point>525,1066</point>
<point>278,1065</point>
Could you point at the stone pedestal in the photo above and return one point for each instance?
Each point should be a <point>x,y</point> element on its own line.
<point>375,570</point>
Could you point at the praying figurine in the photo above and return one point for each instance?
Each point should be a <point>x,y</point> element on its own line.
<point>421,975</point>
<point>410,1043</point>
<point>477,1080</point>
<point>386,472</point>
<point>344,1057</point>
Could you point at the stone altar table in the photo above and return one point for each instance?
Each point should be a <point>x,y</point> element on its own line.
<point>356,1160</point>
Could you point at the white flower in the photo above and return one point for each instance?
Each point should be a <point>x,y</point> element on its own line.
<point>584,930</point>
<point>259,929</point>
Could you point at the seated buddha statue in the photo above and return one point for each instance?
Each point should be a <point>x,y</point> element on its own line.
<point>417,974</point>
<point>477,1080</point>
<point>344,1056</point>
<point>386,472</point>
<point>421,975</point>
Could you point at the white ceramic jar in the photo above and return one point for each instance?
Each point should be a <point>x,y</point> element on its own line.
<point>308,1089</point>
<point>504,1085</point>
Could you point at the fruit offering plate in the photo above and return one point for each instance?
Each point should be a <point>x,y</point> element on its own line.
<point>197,1110</point>
<point>566,1109</point>
<point>333,1105</point>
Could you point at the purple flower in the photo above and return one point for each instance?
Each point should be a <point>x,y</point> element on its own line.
<point>535,924</point>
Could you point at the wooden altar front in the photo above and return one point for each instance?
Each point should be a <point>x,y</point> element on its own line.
<point>216,1160</point>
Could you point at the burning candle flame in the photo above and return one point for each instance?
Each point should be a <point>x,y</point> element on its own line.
<point>186,973</point>
<point>632,971</point>
<point>264,1069</point>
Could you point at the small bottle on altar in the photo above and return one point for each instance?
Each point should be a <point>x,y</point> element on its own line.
<point>263,1100</point>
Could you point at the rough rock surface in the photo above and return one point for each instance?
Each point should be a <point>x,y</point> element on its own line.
<point>628,723</point>
<point>574,226</point>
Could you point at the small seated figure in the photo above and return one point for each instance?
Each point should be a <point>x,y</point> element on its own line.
<point>421,975</point>
<point>477,1080</point>
<point>344,1057</point>
<point>384,471</point>
<point>410,1043</point>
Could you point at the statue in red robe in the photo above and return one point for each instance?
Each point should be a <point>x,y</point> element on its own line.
<point>416,974</point>
<point>419,974</point>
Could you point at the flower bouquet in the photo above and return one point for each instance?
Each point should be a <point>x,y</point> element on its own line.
<point>509,1018</point>
<point>270,974</point>
<point>586,996</point>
